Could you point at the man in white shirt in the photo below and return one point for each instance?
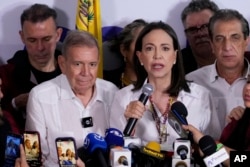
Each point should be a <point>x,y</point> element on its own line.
<point>73,104</point>
<point>225,79</point>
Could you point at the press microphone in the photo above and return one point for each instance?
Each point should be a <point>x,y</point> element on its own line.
<point>179,109</point>
<point>134,145</point>
<point>153,149</point>
<point>151,155</point>
<point>118,154</point>
<point>135,153</point>
<point>182,153</point>
<point>177,118</point>
<point>114,137</point>
<point>123,160</point>
<point>128,140</point>
<point>95,145</point>
<point>207,145</point>
<point>147,90</point>
<point>213,157</point>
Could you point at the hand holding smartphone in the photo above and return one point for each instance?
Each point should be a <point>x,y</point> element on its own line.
<point>12,149</point>
<point>32,148</point>
<point>66,151</point>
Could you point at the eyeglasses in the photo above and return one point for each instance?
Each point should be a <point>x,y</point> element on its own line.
<point>194,30</point>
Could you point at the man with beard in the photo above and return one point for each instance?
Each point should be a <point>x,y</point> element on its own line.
<point>226,77</point>
<point>195,18</point>
<point>31,66</point>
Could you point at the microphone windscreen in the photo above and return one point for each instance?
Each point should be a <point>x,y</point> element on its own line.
<point>154,146</point>
<point>94,141</point>
<point>153,149</point>
<point>147,89</point>
<point>207,145</point>
<point>180,108</point>
<point>114,137</point>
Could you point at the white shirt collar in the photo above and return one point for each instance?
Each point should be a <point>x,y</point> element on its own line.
<point>214,74</point>
<point>67,92</point>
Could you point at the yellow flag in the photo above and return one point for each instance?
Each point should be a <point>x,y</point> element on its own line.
<point>88,18</point>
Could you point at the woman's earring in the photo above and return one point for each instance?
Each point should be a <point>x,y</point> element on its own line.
<point>125,59</point>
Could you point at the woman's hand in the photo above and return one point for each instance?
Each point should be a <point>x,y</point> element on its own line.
<point>135,109</point>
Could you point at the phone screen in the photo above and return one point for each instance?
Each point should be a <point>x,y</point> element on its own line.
<point>32,148</point>
<point>66,151</point>
<point>12,149</point>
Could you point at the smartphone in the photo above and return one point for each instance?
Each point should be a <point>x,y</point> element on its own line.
<point>12,148</point>
<point>176,121</point>
<point>66,151</point>
<point>32,148</point>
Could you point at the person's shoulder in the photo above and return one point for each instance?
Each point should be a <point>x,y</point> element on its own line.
<point>105,85</point>
<point>126,91</point>
<point>194,87</point>
<point>7,68</point>
<point>7,74</point>
<point>201,70</point>
<point>20,57</point>
<point>196,91</point>
<point>47,86</point>
<point>126,94</point>
<point>127,88</point>
<point>200,74</point>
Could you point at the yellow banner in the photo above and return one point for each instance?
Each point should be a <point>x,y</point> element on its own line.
<point>88,18</point>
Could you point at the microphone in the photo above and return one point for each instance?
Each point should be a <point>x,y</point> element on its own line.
<point>120,156</point>
<point>123,160</point>
<point>153,149</point>
<point>182,153</point>
<point>213,157</point>
<point>115,142</point>
<point>114,137</point>
<point>95,145</point>
<point>132,140</point>
<point>147,90</point>
<point>151,155</point>
<point>179,109</point>
<point>135,152</point>
<point>177,118</point>
<point>207,145</point>
<point>134,145</point>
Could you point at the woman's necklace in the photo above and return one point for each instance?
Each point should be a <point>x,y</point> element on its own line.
<point>161,122</point>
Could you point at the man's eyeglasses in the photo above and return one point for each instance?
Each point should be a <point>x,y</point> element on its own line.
<point>194,30</point>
